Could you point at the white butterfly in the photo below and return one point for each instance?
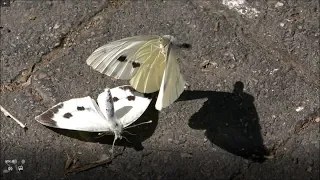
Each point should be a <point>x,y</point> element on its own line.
<point>150,62</point>
<point>118,108</point>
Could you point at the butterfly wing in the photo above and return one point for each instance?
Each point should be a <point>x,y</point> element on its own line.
<point>142,59</point>
<point>148,78</point>
<point>120,59</point>
<point>129,104</point>
<point>173,83</point>
<point>81,114</point>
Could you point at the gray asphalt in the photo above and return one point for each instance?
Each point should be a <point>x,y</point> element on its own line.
<point>251,110</point>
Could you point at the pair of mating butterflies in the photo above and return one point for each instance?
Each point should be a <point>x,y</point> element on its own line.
<point>150,62</point>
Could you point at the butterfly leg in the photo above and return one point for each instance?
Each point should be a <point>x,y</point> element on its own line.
<point>112,149</point>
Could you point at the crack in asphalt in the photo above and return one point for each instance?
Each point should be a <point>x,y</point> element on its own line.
<point>20,80</point>
<point>300,126</point>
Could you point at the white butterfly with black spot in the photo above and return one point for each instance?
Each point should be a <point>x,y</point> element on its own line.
<point>118,108</point>
<point>150,62</point>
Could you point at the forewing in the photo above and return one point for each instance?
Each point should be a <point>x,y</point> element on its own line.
<point>173,83</point>
<point>119,59</point>
<point>81,114</point>
<point>129,104</point>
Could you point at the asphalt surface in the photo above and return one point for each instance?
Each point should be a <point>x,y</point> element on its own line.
<point>251,110</point>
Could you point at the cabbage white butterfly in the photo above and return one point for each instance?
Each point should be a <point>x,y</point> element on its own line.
<point>118,108</point>
<point>150,62</point>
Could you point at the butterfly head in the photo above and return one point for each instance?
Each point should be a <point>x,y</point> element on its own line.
<point>169,38</point>
<point>117,130</point>
<point>166,39</point>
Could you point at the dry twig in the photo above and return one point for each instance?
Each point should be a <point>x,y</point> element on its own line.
<point>6,113</point>
<point>94,164</point>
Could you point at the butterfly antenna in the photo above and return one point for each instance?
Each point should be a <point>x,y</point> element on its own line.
<point>148,122</point>
<point>129,133</point>
<point>127,140</point>
<point>184,46</point>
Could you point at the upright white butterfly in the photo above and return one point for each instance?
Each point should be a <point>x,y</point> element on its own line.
<point>150,62</point>
<point>118,108</point>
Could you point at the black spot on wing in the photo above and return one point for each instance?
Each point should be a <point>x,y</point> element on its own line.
<point>122,58</point>
<point>115,99</point>
<point>67,115</point>
<point>131,98</point>
<point>48,115</point>
<point>80,108</point>
<point>135,64</point>
<point>56,108</point>
<point>127,88</point>
<point>46,118</point>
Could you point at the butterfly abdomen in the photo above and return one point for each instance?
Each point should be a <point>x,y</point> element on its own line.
<point>109,104</point>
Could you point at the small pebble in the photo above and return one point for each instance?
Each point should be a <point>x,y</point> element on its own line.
<point>278,4</point>
<point>205,140</point>
<point>32,17</point>
<point>186,155</point>
<point>56,44</point>
<point>56,26</point>
<point>299,109</point>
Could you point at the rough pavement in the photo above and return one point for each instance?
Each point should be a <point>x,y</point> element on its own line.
<point>251,111</point>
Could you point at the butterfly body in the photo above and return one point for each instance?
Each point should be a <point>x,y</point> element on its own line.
<point>105,101</point>
<point>144,60</point>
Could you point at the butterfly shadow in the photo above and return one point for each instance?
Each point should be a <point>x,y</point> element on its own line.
<point>230,120</point>
<point>132,137</point>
